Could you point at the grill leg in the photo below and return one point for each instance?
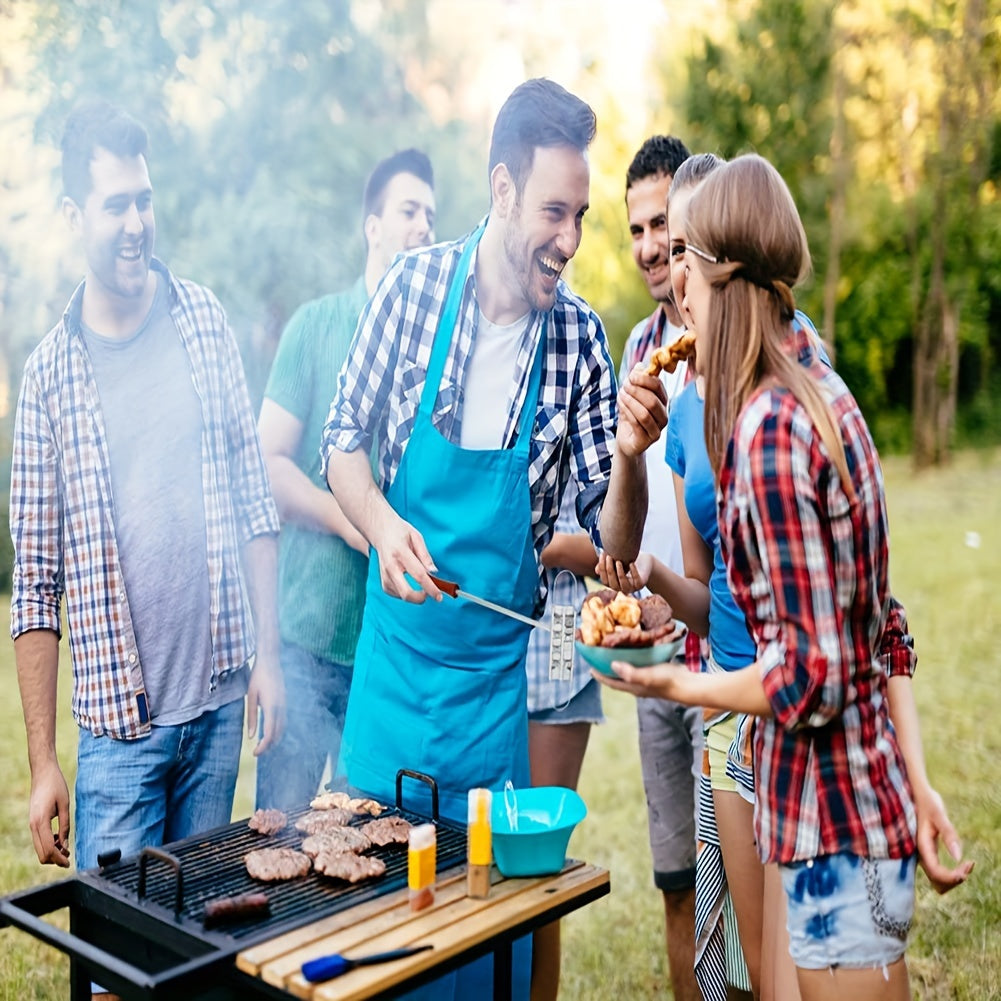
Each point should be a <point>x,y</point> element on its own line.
<point>79,977</point>
<point>502,971</point>
<point>79,982</point>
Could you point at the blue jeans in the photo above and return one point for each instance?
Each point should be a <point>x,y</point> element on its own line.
<point>316,693</point>
<point>178,781</point>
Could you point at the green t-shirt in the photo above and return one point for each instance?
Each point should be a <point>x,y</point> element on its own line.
<point>321,579</point>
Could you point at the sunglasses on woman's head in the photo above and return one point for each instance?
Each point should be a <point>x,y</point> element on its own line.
<point>705,255</point>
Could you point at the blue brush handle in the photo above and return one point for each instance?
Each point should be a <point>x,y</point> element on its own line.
<point>325,968</point>
<point>328,967</point>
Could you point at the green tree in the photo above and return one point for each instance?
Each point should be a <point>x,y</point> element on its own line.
<point>265,119</point>
<point>923,200</point>
<point>763,84</point>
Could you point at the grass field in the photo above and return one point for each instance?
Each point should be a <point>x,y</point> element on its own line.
<point>947,577</point>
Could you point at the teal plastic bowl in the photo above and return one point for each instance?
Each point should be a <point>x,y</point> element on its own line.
<point>546,817</point>
<point>601,658</point>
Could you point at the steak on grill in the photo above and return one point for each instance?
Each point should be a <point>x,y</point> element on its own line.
<point>271,864</point>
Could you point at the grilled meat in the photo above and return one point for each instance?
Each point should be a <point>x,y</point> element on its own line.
<point>348,866</point>
<point>271,864</point>
<point>268,821</point>
<point>387,831</point>
<point>334,840</point>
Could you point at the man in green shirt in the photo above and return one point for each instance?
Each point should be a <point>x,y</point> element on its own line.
<point>323,559</point>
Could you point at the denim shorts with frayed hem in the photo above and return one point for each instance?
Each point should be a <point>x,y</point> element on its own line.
<point>848,912</point>
<point>584,707</point>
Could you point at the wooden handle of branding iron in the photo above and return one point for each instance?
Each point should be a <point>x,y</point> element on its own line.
<point>448,586</point>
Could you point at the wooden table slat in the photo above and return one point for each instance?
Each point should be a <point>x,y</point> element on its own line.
<point>454,924</point>
<point>251,960</point>
<point>396,928</point>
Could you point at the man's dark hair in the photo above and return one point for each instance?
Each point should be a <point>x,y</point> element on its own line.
<point>538,113</point>
<point>659,156</point>
<point>406,161</point>
<point>95,123</point>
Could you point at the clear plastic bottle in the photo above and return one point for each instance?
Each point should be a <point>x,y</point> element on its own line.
<point>478,852</point>
<point>421,865</point>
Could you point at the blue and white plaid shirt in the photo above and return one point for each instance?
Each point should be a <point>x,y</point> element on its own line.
<point>380,385</point>
<point>62,512</point>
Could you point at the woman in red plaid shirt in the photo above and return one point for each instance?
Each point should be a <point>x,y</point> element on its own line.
<point>804,532</point>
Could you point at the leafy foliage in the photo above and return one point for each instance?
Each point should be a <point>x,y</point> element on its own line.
<point>918,100</point>
<point>264,123</point>
<point>884,117</point>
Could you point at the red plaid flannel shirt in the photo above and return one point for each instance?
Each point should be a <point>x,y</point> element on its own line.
<point>810,571</point>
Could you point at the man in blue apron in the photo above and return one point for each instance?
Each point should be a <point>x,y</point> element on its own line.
<point>486,382</point>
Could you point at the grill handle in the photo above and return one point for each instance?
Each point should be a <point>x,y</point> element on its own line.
<point>25,910</point>
<point>420,777</point>
<point>174,863</point>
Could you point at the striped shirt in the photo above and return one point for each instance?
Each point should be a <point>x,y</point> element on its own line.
<point>565,588</point>
<point>62,508</point>
<point>809,569</point>
<point>380,385</point>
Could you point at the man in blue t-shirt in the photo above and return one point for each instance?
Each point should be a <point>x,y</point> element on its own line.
<point>670,735</point>
<point>323,559</point>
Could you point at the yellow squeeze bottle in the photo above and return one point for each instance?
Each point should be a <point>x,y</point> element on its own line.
<point>479,846</point>
<point>421,863</point>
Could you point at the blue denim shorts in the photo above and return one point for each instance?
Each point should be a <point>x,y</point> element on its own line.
<point>175,782</point>
<point>850,912</point>
<point>584,707</point>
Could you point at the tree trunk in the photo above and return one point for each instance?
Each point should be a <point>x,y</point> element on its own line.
<point>930,375</point>
<point>839,167</point>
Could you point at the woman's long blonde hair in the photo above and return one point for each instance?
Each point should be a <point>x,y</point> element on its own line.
<point>743,215</point>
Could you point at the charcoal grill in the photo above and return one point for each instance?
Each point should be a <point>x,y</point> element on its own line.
<point>135,925</point>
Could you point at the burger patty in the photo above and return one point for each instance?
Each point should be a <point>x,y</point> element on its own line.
<point>271,864</point>
<point>334,840</point>
<point>317,821</point>
<point>387,831</point>
<point>268,821</point>
<point>348,866</point>
<point>655,612</point>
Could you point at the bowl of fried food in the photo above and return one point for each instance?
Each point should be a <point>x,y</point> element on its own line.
<point>616,626</point>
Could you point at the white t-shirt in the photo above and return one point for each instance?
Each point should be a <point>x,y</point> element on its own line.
<point>488,383</point>
<point>660,533</point>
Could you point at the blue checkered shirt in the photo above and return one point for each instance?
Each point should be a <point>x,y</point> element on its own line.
<point>62,510</point>
<point>380,385</point>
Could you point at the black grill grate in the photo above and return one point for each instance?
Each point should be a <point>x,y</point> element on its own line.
<point>212,865</point>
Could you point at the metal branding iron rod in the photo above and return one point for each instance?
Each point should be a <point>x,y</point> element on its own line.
<point>451,588</point>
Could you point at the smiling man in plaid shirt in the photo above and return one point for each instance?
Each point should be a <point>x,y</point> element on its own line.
<point>138,495</point>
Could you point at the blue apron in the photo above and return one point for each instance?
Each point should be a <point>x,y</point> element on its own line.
<point>440,687</point>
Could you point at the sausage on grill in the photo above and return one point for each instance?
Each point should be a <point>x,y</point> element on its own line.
<point>224,910</point>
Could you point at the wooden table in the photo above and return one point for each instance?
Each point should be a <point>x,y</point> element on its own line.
<point>460,929</point>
